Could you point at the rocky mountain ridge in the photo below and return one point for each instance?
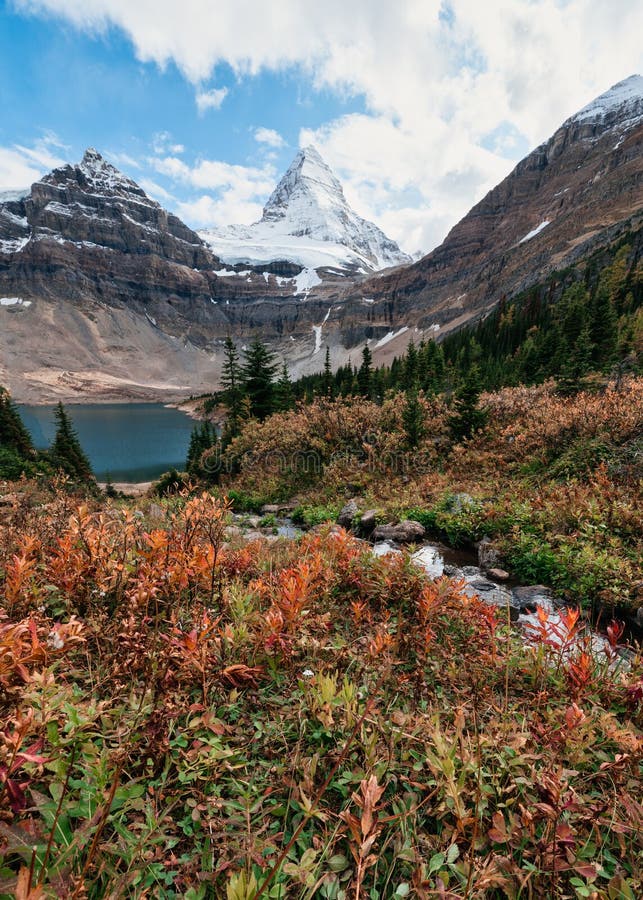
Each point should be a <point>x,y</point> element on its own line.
<point>106,295</point>
<point>570,195</point>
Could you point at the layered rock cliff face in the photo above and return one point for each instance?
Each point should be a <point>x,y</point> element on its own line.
<point>105,294</point>
<point>569,196</point>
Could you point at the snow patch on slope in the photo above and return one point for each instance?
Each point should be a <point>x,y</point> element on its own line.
<point>13,246</point>
<point>305,281</point>
<point>317,331</point>
<point>531,234</point>
<point>14,301</point>
<point>390,337</point>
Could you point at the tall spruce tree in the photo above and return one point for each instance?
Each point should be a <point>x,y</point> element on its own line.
<point>327,387</point>
<point>203,437</point>
<point>468,416</point>
<point>258,373</point>
<point>66,452</point>
<point>365,373</point>
<point>17,455</point>
<point>283,391</point>
<point>232,391</point>
<point>413,417</point>
<point>411,364</point>
<point>604,329</point>
<point>13,434</point>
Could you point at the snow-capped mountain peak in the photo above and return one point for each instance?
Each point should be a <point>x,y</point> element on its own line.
<point>307,179</point>
<point>623,102</point>
<point>308,221</point>
<point>95,175</point>
<point>94,206</point>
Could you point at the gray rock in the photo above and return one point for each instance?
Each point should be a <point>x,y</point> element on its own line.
<point>471,571</point>
<point>405,532</point>
<point>368,520</point>
<point>488,555</point>
<point>348,514</point>
<point>493,594</point>
<point>275,508</point>
<point>452,571</point>
<point>528,597</point>
<point>498,574</point>
<point>252,521</point>
<point>259,536</point>
<point>156,511</point>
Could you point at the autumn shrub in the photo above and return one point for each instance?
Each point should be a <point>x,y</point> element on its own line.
<point>183,713</point>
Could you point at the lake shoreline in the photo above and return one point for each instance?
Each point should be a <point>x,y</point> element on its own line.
<point>128,488</point>
<point>126,443</point>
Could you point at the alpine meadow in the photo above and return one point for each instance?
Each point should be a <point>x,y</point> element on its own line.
<point>358,291</point>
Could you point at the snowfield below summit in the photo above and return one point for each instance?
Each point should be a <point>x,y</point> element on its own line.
<point>307,221</point>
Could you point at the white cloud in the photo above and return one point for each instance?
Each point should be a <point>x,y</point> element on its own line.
<point>236,193</point>
<point>214,174</point>
<point>228,208</point>
<point>123,159</point>
<point>440,80</point>
<point>270,137</point>
<point>20,166</point>
<point>163,142</point>
<point>211,99</point>
<point>156,192</point>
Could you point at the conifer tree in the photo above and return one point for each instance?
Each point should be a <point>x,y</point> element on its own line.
<point>365,373</point>
<point>378,385</point>
<point>232,390</point>
<point>327,377</point>
<point>468,417</point>
<point>283,391</point>
<point>604,328</point>
<point>203,437</point>
<point>258,372</point>
<point>413,418</point>
<point>411,364</point>
<point>13,434</point>
<point>577,364</point>
<point>66,452</point>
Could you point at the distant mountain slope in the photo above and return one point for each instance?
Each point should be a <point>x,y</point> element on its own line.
<point>308,221</point>
<point>103,293</point>
<point>570,195</point>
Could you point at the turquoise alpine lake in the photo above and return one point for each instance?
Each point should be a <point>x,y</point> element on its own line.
<point>129,442</point>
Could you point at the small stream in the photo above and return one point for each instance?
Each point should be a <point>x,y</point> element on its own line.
<point>521,601</point>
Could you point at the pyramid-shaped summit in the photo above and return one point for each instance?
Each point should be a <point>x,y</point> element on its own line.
<point>308,182</point>
<point>308,221</point>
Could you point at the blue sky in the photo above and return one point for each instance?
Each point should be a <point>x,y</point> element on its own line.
<point>420,106</point>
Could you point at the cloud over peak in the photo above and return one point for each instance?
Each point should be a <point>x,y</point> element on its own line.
<point>454,92</point>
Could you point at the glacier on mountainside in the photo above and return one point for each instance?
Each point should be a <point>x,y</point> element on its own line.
<point>307,221</point>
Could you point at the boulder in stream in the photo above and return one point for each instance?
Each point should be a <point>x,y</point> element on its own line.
<point>348,514</point>
<point>493,594</point>
<point>405,532</point>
